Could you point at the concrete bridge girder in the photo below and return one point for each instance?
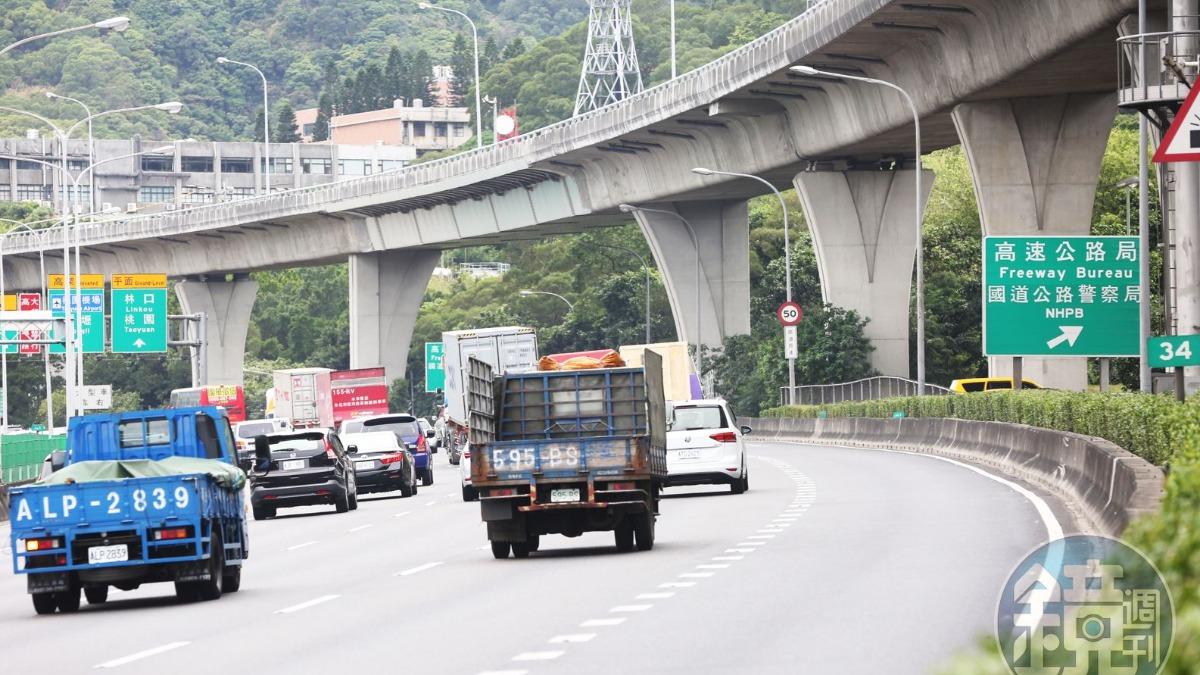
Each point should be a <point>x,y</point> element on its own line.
<point>227,306</point>
<point>865,237</point>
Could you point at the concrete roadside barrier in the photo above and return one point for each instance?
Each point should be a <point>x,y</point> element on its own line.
<point>1106,486</point>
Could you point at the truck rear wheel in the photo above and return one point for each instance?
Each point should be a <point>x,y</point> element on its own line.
<point>44,603</point>
<point>643,527</point>
<point>232,580</point>
<point>210,589</point>
<point>520,549</point>
<point>624,536</point>
<point>96,595</point>
<point>68,600</point>
<point>500,549</point>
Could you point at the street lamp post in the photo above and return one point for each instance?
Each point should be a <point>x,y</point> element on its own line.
<point>91,139</point>
<point>917,207</point>
<point>117,24</point>
<point>787,254</point>
<point>266,119</point>
<point>527,293</point>
<point>478,84</point>
<point>631,209</point>
<point>645,267</point>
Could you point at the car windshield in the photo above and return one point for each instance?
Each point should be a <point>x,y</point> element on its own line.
<point>403,429</point>
<point>699,417</point>
<point>252,429</point>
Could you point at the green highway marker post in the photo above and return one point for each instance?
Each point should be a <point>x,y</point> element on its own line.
<point>1175,351</point>
<point>139,313</point>
<point>435,374</point>
<point>1061,296</point>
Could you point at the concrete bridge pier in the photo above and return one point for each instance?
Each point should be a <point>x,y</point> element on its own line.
<point>1035,163</point>
<point>865,240</point>
<point>722,229</point>
<point>386,290</point>
<point>227,306</point>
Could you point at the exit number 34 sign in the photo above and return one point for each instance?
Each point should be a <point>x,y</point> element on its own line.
<point>1174,350</point>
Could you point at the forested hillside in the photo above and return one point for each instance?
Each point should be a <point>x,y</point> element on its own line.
<point>306,47</point>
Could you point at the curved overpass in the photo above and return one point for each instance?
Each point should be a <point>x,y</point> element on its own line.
<point>1027,85</point>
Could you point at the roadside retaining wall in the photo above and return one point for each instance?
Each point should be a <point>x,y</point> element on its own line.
<point>1107,486</point>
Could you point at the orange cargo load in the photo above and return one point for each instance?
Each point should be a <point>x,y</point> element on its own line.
<point>599,358</point>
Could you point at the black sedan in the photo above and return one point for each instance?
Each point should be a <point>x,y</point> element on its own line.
<point>382,463</point>
<point>304,468</point>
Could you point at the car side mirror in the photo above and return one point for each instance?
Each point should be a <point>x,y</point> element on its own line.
<point>746,431</point>
<point>430,433</point>
<point>352,449</point>
<point>58,459</point>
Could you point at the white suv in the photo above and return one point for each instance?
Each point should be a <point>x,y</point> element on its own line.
<point>705,446</point>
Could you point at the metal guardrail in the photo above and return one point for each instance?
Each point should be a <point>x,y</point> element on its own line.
<point>21,455</point>
<point>869,389</point>
<point>1161,83</point>
<point>822,21</point>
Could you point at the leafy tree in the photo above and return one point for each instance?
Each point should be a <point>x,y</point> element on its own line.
<point>285,129</point>
<point>324,115</point>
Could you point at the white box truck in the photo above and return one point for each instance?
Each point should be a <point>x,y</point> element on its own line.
<point>304,396</point>
<point>510,349</point>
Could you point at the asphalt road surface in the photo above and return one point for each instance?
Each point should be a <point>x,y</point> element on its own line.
<point>836,561</point>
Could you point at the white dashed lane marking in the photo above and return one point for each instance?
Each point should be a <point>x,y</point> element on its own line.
<point>300,546</point>
<point>654,596</point>
<point>305,605</point>
<point>417,570</point>
<point>598,623</point>
<point>570,639</point>
<point>630,608</point>
<point>539,656</point>
<point>115,663</point>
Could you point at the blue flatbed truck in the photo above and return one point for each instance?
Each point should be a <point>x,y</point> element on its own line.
<point>568,452</point>
<point>140,497</point>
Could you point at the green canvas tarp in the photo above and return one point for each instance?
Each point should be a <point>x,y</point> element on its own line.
<point>227,476</point>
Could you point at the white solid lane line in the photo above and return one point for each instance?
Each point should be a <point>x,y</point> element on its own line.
<point>418,569</point>
<point>300,546</point>
<point>141,655</point>
<point>598,623</point>
<point>568,639</point>
<point>538,656</point>
<point>360,528</point>
<point>305,605</point>
<point>630,608</point>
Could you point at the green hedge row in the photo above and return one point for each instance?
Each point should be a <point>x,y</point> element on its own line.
<point>1148,426</point>
<point>1154,427</point>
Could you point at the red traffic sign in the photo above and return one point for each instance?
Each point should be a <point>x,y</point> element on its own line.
<point>1182,142</point>
<point>789,314</point>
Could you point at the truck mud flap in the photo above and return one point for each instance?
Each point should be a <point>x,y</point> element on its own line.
<point>192,571</point>
<point>49,582</point>
<point>497,509</point>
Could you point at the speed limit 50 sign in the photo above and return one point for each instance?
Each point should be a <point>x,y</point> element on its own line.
<point>789,314</point>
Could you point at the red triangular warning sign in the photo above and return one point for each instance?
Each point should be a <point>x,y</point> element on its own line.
<point>1182,142</point>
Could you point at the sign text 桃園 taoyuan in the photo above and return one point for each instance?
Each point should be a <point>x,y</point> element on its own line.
<point>1061,296</point>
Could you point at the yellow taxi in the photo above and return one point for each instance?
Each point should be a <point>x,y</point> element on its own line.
<point>976,384</point>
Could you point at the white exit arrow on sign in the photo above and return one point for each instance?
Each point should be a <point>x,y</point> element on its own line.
<point>1069,335</point>
<point>139,343</point>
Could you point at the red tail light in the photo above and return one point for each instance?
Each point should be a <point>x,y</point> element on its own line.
<point>622,486</point>
<point>42,544</point>
<point>392,459</point>
<point>421,444</point>
<point>329,451</point>
<point>171,533</point>
<point>725,437</point>
<point>503,492</point>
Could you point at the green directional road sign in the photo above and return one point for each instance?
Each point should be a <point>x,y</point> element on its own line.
<point>1061,296</point>
<point>435,375</point>
<point>89,330</point>
<point>139,313</point>
<point>1174,350</point>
